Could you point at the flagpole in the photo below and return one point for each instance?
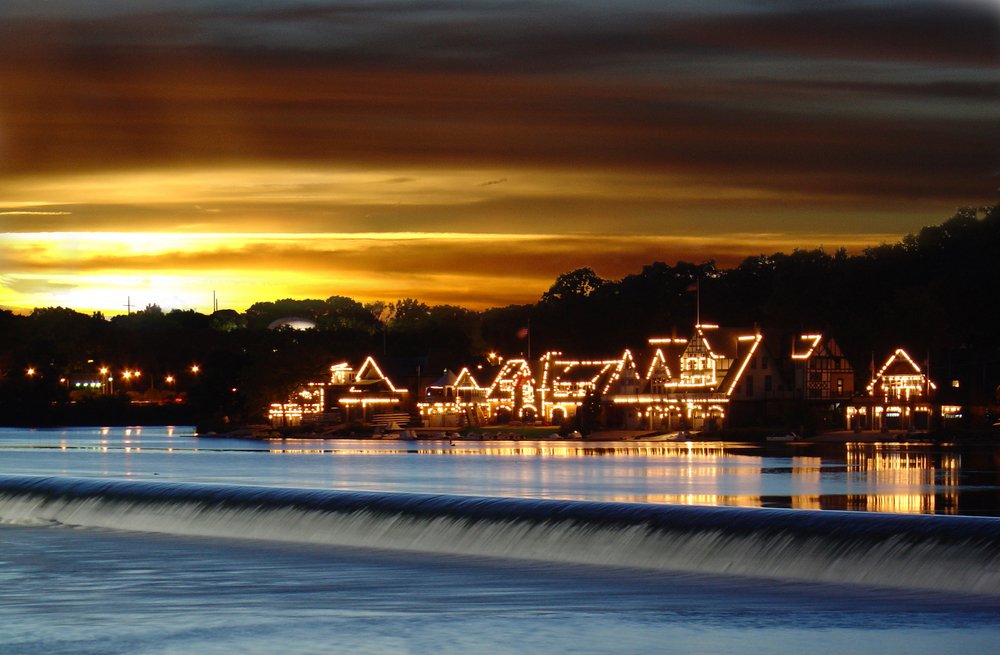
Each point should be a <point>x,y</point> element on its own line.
<point>697,321</point>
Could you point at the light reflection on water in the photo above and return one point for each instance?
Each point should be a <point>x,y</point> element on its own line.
<point>899,477</point>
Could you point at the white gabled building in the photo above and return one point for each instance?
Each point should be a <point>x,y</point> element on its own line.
<point>899,397</point>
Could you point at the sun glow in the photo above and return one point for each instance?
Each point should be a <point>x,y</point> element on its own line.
<point>478,237</point>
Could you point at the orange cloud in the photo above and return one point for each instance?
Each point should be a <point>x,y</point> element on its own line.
<point>97,270</point>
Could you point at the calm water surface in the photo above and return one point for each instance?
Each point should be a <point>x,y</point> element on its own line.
<point>903,478</point>
<point>97,590</point>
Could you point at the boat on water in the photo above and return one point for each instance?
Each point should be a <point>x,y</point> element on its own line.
<point>782,437</point>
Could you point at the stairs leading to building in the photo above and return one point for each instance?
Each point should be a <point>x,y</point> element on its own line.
<point>386,419</point>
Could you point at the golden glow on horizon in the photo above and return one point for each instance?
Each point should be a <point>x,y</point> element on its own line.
<point>473,237</point>
<point>99,270</point>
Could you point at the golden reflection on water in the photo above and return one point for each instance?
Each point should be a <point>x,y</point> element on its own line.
<point>896,478</point>
<point>702,500</point>
<point>806,478</point>
<point>688,450</point>
<point>920,478</point>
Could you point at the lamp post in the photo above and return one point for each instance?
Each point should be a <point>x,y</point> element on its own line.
<point>129,374</point>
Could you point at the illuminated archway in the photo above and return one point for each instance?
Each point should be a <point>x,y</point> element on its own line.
<point>558,416</point>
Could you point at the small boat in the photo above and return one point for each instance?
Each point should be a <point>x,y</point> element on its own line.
<point>782,437</point>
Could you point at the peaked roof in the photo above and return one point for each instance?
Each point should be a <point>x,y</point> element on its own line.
<point>465,380</point>
<point>627,362</point>
<point>370,374</point>
<point>446,380</point>
<point>899,364</point>
<point>512,370</point>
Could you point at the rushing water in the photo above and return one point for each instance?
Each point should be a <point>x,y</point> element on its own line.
<point>154,541</point>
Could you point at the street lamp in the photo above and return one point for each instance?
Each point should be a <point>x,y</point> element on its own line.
<point>107,381</point>
<point>195,369</point>
<point>30,371</point>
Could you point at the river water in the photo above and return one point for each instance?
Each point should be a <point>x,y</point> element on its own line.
<point>151,540</point>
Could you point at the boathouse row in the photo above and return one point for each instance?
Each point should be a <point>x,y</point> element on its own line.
<point>716,377</point>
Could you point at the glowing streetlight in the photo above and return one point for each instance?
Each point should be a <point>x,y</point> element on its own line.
<point>169,379</point>
<point>195,369</point>
<point>30,371</point>
<point>105,377</point>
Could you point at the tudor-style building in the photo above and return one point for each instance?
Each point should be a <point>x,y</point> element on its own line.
<point>898,397</point>
<point>688,383</point>
<point>795,379</point>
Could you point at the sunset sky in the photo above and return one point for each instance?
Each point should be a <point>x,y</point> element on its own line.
<point>469,152</point>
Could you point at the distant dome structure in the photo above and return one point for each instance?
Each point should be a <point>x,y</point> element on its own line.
<point>293,322</point>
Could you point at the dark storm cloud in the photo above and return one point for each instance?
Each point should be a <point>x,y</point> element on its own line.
<point>877,100</point>
<point>926,31</point>
<point>540,36</point>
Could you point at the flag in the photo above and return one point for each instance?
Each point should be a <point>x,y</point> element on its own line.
<point>522,333</point>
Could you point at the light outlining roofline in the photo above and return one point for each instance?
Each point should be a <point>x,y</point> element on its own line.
<point>746,360</point>
<point>816,338</point>
<point>500,375</point>
<point>626,356</point>
<point>467,373</point>
<point>704,340</point>
<point>370,361</point>
<point>658,355</point>
<point>898,353</point>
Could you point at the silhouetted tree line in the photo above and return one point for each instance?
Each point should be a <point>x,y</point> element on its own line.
<point>937,291</point>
